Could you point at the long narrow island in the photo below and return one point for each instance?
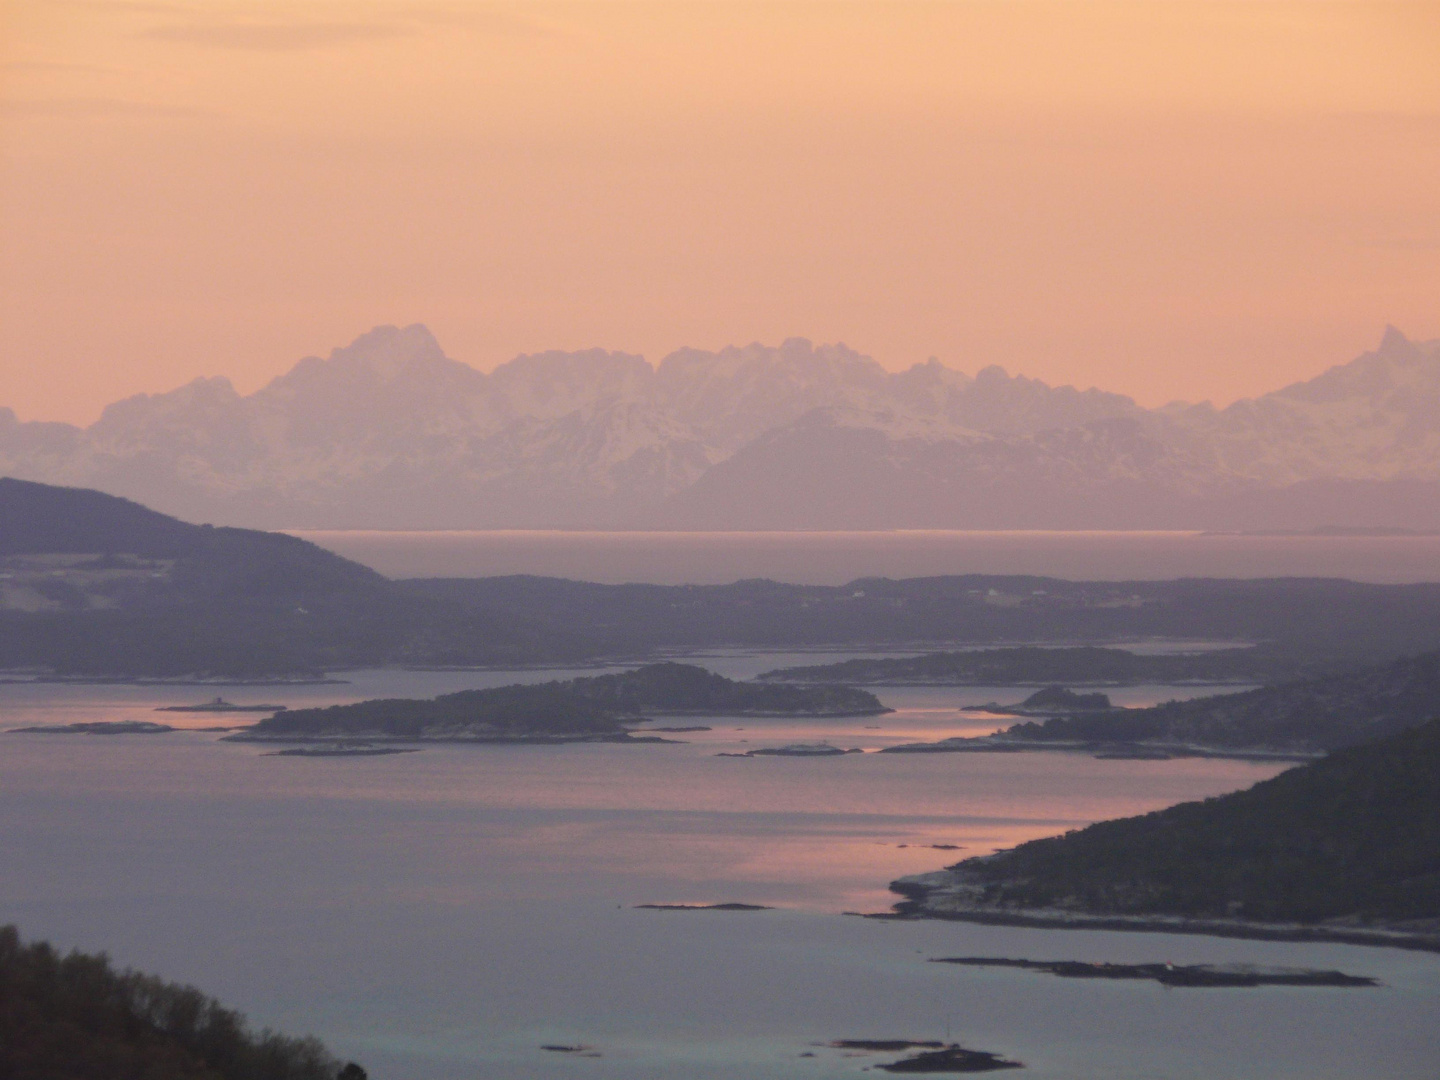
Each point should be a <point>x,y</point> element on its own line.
<point>600,708</point>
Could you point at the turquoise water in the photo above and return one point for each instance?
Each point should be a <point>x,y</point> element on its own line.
<point>441,915</point>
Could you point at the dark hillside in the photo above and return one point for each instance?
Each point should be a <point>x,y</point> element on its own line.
<point>99,586</point>
<point>1354,836</point>
<point>42,518</point>
<point>73,1017</point>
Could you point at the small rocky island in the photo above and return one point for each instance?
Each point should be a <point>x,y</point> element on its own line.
<point>97,727</point>
<point>809,750</point>
<point>220,705</point>
<point>601,708</point>
<point>933,1057</point>
<point>1195,975</point>
<point>1051,701</point>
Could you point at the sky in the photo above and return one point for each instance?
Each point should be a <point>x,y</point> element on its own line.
<point>1167,199</point>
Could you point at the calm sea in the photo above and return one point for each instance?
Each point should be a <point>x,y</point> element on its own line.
<point>443,915</point>
<point>833,558</point>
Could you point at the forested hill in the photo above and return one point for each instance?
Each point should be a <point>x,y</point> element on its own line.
<point>73,1017</point>
<point>200,561</point>
<point>1316,714</point>
<point>1350,839</point>
<point>98,586</point>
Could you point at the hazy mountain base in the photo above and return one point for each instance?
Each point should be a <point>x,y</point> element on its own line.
<point>95,586</point>
<point>1033,666</point>
<point>390,433</point>
<point>1345,849</point>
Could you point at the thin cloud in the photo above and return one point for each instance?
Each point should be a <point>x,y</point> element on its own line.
<point>86,107</point>
<point>276,37</point>
<point>55,65</point>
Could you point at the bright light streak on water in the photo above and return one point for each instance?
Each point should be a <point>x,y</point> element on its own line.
<point>440,915</point>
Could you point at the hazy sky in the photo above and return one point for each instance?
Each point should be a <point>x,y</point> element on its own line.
<point>1169,199</point>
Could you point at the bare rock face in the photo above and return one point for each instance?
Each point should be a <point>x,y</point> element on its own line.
<point>390,432</point>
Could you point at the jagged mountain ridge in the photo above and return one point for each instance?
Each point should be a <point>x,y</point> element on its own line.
<point>390,432</point>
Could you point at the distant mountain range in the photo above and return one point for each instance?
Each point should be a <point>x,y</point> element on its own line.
<point>390,433</point>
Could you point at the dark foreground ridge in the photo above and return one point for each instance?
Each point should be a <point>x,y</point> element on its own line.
<point>1201,975</point>
<point>596,708</point>
<point>76,1017</point>
<point>1344,849</point>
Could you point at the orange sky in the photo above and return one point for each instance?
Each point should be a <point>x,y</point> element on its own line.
<point>1168,199</point>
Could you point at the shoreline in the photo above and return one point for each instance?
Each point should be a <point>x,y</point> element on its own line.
<point>916,906</point>
<point>1002,744</point>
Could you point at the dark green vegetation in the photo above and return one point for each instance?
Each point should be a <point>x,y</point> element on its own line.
<point>98,586</point>
<point>599,706</point>
<point>1352,839</point>
<point>74,1017</point>
<point>1031,665</point>
<point>1194,975</point>
<point>1314,715</point>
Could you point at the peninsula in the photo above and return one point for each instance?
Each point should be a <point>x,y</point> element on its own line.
<point>1344,849</point>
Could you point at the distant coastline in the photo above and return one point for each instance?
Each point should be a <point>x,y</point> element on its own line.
<point>915,906</point>
<point>836,557</point>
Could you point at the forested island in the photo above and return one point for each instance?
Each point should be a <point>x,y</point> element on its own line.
<point>1346,848</point>
<point>594,708</point>
<point>75,1017</point>
<point>1305,718</point>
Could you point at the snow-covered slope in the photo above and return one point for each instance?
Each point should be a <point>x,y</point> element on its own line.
<point>389,432</point>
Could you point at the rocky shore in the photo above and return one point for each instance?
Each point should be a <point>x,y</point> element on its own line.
<point>1140,750</point>
<point>961,896</point>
